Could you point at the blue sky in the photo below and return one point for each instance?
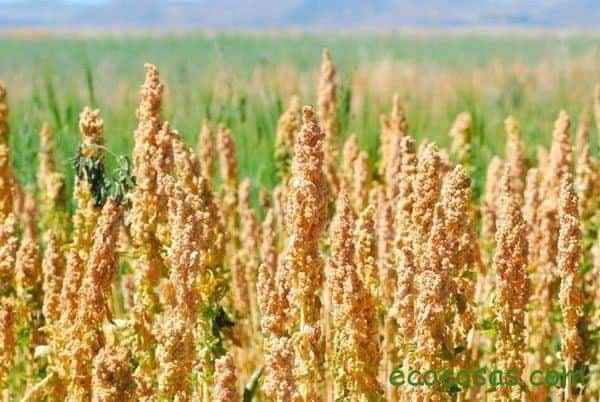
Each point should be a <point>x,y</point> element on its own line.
<point>278,13</point>
<point>67,1</point>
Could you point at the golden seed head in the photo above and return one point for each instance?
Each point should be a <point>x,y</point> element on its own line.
<point>385,237</point>
<point>456,199</point>
<point>101,267</point>
<point>327,102</point>
<point>185,163</point>
<point>568,263</point>
<point>355,340</point>
<point>461,139</point>
<point>149,124</point>
<point>365,240</point>
<point>227,155</point>
<point>46,155</point>
<point>28,268</point>
<point>427,187</point>
<point>28,274</point>
<point>349,156</point>
<point>307,182</point>
<point>239,284</point>
<point>112,378</point>
<point>7,182</point>
<point>433,287</point>
<point>342,228</point>
<point>249,227</point>
<point>92,134</point>
<point>582,138</point>
<point>279,382</point>
<point>53,269</point>
<point>512,287</point>
<point>397,120</point>
<point>271,303</point>
<point>361,182</point>
<point>301,262</point>
<point>393,127</point>
<point>489,208</point>
<point>404,297</point>
<point>51,188</point>
<point>8,250</point>
<point>405,200</point>
<point>570,233</point>
<point>175,356</point>
<point>515,156</point>
<point>287,127</point>
<point>206,152</point>
<point>186,250</point>
<point>225,388</point>
<point>587,173</point>
<point>559,160</point>
<point>342,245</point>
<point>8,340</point>
<point>393,167</point>
<point>151,97</point>
<point>268,245</point>
<point>531,207</point>
<point>542,158</point>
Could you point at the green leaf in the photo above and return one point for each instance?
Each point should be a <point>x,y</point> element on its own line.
<point>251,387</point>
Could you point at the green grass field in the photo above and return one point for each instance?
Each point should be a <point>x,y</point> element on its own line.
<point>221,77</point>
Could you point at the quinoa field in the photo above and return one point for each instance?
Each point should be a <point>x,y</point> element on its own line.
<point>298,217</point>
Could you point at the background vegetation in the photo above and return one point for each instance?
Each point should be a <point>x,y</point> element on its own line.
<point>245,80</point>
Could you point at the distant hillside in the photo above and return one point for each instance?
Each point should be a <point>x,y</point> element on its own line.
<point>300,13</point>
